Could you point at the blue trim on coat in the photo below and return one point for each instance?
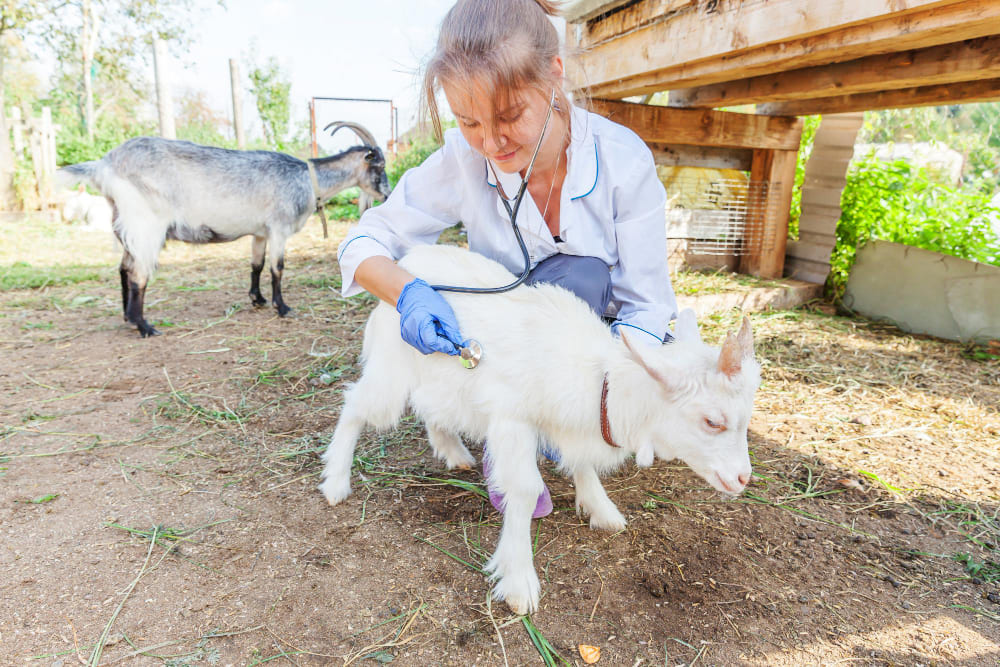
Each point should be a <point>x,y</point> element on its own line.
<point>597,172</point>
<point>363,236</point>
<point>626,324</point>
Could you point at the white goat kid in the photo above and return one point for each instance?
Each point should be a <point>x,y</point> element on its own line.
<point>546,360</point>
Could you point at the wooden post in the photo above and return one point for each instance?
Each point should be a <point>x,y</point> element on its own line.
<point>767,223</point>
<point>234,82</point>
<point>46,152</point>
<point>164,103</point>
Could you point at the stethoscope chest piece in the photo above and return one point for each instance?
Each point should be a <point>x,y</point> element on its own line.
<point>471,353</point>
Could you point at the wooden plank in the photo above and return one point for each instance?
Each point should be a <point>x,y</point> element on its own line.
<point>660,56</point>
<point>700,127</point>
<point>800,269</point>
<point>628,18</point>
<point>921,96</point>
<point>767,227</point>
<point>584,10</point>
<point>814,252</point>
<point>970,60</point>
<point>673,155</point>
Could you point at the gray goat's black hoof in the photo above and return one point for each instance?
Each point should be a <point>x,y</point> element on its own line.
<point>146,331</point>
<point>282,309</point>
<point>257,300</point>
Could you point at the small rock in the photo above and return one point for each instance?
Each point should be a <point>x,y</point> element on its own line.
<point>993,597</point>
<point>907,605</point>
<point>803,599</point>
<point>977,581</point>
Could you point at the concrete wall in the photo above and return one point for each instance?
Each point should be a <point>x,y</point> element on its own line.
<point>926,292</point>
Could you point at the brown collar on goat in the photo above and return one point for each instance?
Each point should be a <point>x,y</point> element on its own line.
<point>319,201</point>
<point>605,425</point>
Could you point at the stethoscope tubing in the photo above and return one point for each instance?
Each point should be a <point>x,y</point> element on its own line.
<point>512,214</point>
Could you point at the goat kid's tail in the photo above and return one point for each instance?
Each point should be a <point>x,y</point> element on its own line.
<point>71,175</point>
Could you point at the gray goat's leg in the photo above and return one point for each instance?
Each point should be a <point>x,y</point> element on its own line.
<point>277,242</point>
<point>256,266</point>
<point>136,284</point>
<point>123,272</point>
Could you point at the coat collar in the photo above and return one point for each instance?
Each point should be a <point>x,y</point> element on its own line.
<point>581,177</point>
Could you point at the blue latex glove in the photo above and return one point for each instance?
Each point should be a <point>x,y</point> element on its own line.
<point>426,321</point>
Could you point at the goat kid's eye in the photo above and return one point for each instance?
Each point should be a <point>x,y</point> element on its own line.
<point>714,426</point>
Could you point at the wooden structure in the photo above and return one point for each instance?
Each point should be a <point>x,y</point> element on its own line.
<point>36,137</point>
<point>787,57</point>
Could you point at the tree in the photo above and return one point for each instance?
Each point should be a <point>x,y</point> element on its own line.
<point>271,89</point>
<point>17,17</point>
<point>109,42</point>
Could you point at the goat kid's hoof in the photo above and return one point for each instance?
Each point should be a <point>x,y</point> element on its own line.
<point>258,301</point>
<point>464,461</point>
<point>282,309</point>
<point>335,491</point>
<point>522,599</point>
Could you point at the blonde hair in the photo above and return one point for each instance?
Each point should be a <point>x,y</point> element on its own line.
<point>505,45</point>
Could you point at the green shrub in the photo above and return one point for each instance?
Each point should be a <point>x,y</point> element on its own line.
<point>412,156</point>
<point>897,202</point>
<point>805,150</point>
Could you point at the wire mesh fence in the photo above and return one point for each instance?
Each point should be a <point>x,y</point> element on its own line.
<point>717,215</point>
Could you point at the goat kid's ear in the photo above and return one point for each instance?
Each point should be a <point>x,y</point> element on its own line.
<point>745,339</point>
<point>686,326</point>
<point>636,356</point>
<point>736,349</point>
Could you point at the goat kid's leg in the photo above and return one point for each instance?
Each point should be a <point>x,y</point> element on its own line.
<point>256,266</point>
<point>514,472</point>
<point>277,269</point>
<point>593,499</point>
<point>135,281</point>
<point>335,482</point>
<point>449,448</point>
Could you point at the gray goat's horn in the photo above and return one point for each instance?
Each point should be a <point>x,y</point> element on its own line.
<point>364,134</point>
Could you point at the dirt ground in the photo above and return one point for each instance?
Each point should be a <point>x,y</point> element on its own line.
<point>161,494</point>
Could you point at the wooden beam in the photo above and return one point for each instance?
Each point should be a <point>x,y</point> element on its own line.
<point>700,127</point>
<point>584,10</point>
<point>922,96</point>
<point>767,38</point>
<point>627,18</point>
<point>767,226</point>
<point>675,155</point>
<point>971,60</point>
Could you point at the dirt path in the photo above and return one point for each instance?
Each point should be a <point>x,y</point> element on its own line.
<point>876,465</point>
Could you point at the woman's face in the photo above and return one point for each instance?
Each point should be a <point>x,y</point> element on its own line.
<point>507,138</point>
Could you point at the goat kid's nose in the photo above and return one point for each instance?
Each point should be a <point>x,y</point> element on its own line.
<point>744,478</point>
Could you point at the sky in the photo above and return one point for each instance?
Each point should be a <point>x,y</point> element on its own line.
<point>337,48</point>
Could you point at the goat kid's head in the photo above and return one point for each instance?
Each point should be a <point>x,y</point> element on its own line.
<point>703,403</point>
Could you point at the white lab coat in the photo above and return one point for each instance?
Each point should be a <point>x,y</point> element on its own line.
<point>612,207</point>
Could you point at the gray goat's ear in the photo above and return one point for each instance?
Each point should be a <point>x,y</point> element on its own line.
<point>686,326</point>
<point>373,156</point>
<point>636,356</point>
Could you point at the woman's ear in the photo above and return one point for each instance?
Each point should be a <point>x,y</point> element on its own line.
<point>556,69</point>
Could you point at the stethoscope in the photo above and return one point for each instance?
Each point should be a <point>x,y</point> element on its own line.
<point>472,352</point>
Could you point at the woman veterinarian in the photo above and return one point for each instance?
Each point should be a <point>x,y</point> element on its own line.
<point>594,221</point>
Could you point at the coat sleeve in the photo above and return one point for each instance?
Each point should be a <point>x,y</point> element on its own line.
<point>640,282</point>
<point>422,205</point>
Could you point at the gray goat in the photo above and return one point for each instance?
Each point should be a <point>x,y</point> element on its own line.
<point>161,189</point>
